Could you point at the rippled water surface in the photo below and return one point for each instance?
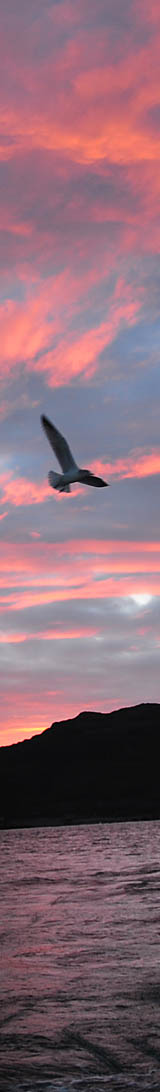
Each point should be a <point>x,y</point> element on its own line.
<point>80,958</point>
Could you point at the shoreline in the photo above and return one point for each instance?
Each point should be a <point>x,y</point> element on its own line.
<point>39,822</point>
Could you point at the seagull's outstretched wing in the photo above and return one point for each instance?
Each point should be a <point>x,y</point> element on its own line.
<point>91,479</point>
<point>59,444</point>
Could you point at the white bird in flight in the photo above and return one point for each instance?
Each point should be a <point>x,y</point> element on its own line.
<point>71,472</point>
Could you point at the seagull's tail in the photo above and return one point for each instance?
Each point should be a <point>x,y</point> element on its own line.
<point>54,479</point>
<point>56,482</point>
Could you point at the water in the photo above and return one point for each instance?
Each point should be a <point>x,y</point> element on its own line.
<point>80,959</point>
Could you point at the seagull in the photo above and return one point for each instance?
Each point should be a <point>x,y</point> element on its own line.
<point>71,472</point>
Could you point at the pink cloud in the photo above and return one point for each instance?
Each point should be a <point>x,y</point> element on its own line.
<point>43,574</point>
<point>81,76</point>
<point>80,356</point>
<point>35,534</point>
<point>31,328</point>
<point>75,634</point>
<point>136,465</point>
<point>84,71</point>
<point>109,588</point>
<point>40,559</point>
<point>19,491</point>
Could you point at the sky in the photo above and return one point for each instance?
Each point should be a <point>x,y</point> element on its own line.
<point>79,342</point>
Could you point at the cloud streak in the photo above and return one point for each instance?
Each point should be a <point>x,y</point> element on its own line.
<point>49,575</point>
<point>137,465</point>
<point>34,332</point>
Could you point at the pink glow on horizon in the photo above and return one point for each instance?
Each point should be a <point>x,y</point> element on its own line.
<point>38,716</point>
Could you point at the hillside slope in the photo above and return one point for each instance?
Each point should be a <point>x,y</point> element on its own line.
<point>92,767</point>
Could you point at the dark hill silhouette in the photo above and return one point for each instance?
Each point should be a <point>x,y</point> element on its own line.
<point>96,766</point>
